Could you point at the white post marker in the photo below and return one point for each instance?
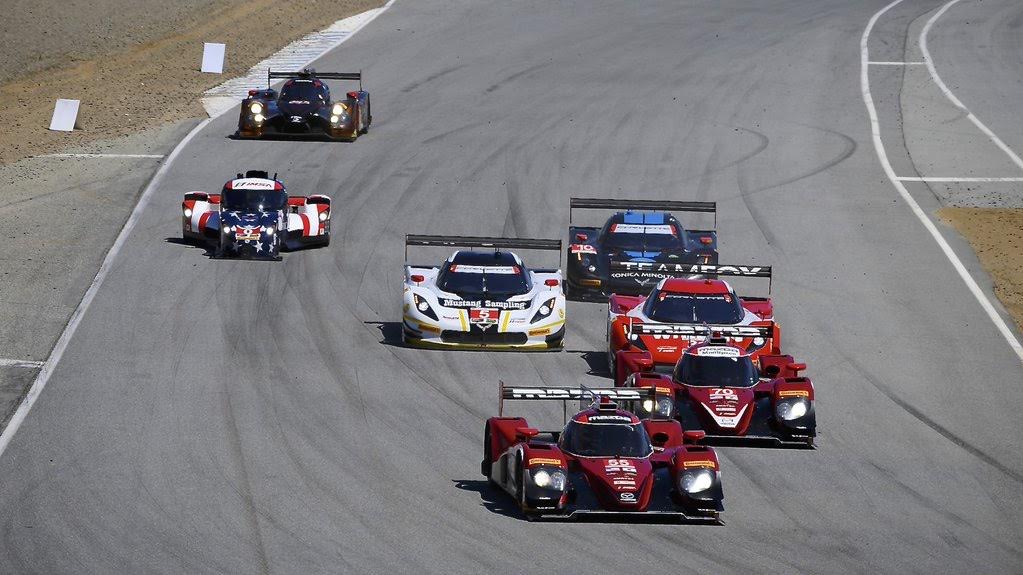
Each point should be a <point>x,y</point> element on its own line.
<point>213,58</point>
<point>65,114</point>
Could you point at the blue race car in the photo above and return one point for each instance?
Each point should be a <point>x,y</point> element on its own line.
<point>641,244</point>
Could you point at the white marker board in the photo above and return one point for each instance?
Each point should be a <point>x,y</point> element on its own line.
<point>213,58</point>
<point>65,114</point>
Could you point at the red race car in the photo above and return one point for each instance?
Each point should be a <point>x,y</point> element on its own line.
<point>719,386</point>
<point>606,461</point>
<point>651,332</point>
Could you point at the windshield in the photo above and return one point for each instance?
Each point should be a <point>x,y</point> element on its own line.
<point>689,308</point>
<point>643,237</point>
<point>710,371</point>
<point>253,200</point>
<point>605,440</point>
<point>303,92</point>
<point>484,280</point>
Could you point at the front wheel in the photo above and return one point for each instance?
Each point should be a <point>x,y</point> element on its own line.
<point>369,117</point>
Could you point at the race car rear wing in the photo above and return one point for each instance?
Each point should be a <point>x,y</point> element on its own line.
<point>309,73</point>
<point>664,270</point>
<point>480,242</point>
<point>651,205</point>
<point>689,331</point>
<point>586,395</point>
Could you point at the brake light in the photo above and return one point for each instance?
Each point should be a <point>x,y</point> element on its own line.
<point>253,92</point>
<point>551,283</point>
<point>706,240</point>
<point>417,278</point>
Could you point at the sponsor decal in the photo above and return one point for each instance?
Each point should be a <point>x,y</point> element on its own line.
<point>793,393</point>
<point>687,331</point>
<point>718,351</point>
<point>543,461</point>
<point>666,229</point>
<point>675,269</point>
<point>582,249</point>
<point>627,497</point>
<point>483,303</point>
<point>464,269</point>
<point>427,327</point>
<point>544,331</point>
<point>667,349</point>
<point>609,419</point>
<point>252,184</point>
<point>699,463</point>
<point>555,393</point>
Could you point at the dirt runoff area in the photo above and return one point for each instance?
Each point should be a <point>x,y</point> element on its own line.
<point>996,235</point>
<point>133,63</point>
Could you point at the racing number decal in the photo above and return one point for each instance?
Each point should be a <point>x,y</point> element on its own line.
<point>484,315</point>
<point>726,394</point>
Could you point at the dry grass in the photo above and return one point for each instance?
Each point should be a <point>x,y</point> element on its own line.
<point>996,235</point>
<point>158,81</point>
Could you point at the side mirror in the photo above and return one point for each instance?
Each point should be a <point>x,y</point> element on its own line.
<point>796,367</point>
<point>693,436</point>
<point>525,433</point>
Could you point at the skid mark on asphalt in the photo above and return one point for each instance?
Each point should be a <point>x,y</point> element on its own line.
<point>431,78</point>
<point>501,83</point>
<point>935,426</point>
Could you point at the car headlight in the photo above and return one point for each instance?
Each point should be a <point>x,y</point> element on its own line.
<point>334,119</point>
<point>258,118</point>
<point>188,212</point>
<point>550,479</point>
<point>323,216</point>
<point>789,409</point>
<point>423,306</point>
<point>545,310</point>
<point>339,109</point>
<point>698,481</point>
<point>662,407</point>
<point>592,269</point>
<point>269,230</point>
<point>256,108</point>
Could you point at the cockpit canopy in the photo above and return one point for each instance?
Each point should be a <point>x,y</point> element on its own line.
<point>605,439</point>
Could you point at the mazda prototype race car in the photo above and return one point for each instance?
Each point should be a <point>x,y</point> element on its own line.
<point>253,217</point>
<point>651,332</point>
<point>483,299</point>
<point>718,386</point>
<point>635,249</point>
<point>304,107</point>
<point>605,462</point>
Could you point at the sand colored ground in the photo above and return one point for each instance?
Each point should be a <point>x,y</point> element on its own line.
<point>996,235</point>
<point>133,63</point>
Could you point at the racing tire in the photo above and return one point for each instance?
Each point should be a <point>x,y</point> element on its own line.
<point>369,118</point>
<point>612,365</point>
<point>486,466</point>
<point>520,491</point>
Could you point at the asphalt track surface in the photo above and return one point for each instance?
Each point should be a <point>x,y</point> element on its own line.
<point>222,416</point>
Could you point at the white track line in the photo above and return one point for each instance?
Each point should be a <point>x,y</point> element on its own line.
<point>882,156</point>
<point>19,363</point>
<point>155,156</point>
<point>76,317</point>
<point>948,93</point>
<point>896,63</point>
<point>944,179</point>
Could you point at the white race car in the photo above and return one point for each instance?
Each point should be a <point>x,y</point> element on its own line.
<point>483,299</point>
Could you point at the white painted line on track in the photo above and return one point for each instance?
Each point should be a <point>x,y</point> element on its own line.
<point>950,179</point>
<point>90,294</point>
<point>154,156</point>
<point>897,63</point>
<point>882,156</point>
<point>4,362</point>
<point>952,97</point>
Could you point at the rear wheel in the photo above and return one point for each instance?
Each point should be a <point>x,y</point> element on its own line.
<point>369,117</point>
<point>488,462</point>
